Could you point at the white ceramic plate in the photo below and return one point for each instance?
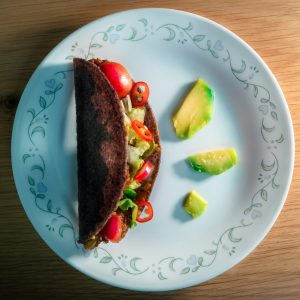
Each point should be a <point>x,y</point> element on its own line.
<point>168,49</point>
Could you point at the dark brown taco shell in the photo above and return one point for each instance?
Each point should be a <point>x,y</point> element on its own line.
<point>102,150</point>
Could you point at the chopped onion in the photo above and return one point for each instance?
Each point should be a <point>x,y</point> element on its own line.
<point>127,121</point>
<point>127,103</point>
<point>122,106</point>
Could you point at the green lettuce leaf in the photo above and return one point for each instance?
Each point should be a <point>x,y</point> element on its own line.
<point>127,203</point>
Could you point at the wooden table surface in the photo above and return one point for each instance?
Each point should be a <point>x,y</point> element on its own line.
<point>28,268</point>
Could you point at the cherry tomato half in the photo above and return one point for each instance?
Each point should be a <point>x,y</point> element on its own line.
<point>142,131</point>
<point>118,76</point>
<point>139,93</point>
<point>144,172</point>
<point>146,207</point>
<point>113,229</point>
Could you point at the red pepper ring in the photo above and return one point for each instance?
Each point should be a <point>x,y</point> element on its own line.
<point>144,172</point>
<point>142,131</point>
<point>148,210</point>
<point>139,94</point>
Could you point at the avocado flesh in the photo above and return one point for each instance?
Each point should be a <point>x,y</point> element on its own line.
<point>214,162</point>
<point>195,111</point>
<point>195,205</point>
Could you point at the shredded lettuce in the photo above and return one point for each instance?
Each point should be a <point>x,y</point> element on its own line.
<point>137,114</point>
<point>127,203</point>
<point>133,185</point>
<point>137,151</point>
<point>130,193</point>
<point>148,152</point>
<point>133,155</point>
<point>132,136</point>
<point>143,146</point>
<point>136,167</point>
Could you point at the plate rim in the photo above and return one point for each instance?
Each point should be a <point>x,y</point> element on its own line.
<point>285,109</point>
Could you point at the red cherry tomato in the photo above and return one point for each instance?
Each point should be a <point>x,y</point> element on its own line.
<point>148,210</point>
<point>118,77</point>
<point>142,131</point>
<point>113,229</point>
<point>144,172</point>
<point>139,94</point>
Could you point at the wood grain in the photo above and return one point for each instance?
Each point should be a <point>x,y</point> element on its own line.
<point>28,268</point>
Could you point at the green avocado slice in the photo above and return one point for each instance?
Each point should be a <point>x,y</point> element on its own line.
<point>195,111</point>
<point>214,162</point>
<point>194,204</point>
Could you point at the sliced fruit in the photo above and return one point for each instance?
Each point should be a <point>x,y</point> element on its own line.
<point>214,162</point>
<point>113,229</point>
<point>195,205</point>
<point>144,172</point>
<point>195,111</point>
<point>118,76</point>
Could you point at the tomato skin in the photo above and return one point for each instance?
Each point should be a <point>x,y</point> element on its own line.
<point>113,229</point>
<point>118,76</point>
<point>144,172</point>
<point>139,94</point>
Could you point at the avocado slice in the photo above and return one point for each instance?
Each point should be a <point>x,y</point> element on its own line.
<point>214,162</point>
<point>195,111</point>
<point>195,205</point>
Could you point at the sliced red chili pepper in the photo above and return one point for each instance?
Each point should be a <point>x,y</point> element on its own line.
<point>144,172</point>
<point>146,207</point>
<point>142,131</point>
<point>139,94</point>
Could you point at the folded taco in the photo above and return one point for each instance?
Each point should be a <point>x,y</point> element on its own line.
<point>118,151</point>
